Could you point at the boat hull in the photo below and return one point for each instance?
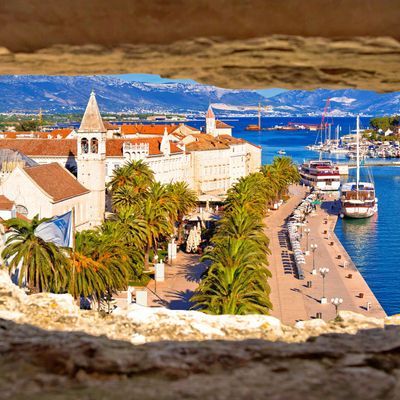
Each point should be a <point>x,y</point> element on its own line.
<point>321,185</point>
<point>358,212</point>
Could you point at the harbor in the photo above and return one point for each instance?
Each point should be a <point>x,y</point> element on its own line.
<point>297,299</point>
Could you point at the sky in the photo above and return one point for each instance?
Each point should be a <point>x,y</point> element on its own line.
<point>150,78</point>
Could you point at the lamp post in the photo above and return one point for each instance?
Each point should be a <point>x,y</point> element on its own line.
<point>323,271</point>
<point>307,232</point>
<point>337,301</point>
<point>313,249</point>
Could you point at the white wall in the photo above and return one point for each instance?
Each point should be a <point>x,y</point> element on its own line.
<point>19,188</point>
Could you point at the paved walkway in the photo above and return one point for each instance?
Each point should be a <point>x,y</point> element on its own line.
<point>181,279</point>
<point>291,297</point>
<point>287,300</point>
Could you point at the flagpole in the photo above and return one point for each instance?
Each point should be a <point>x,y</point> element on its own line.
<point>73,249</point>
<point>73,228</point>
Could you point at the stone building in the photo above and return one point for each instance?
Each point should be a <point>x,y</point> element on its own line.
<point>48,190</point>
<point>215,127</point>
<point>209,162</point>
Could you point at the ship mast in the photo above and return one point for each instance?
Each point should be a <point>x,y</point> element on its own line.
<point>358,154</point>
<point>259,116</point>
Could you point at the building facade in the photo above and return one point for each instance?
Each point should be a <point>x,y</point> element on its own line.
<point>210,162</point>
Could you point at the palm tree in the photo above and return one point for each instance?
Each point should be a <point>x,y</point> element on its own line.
<point>239,223</point>
<point>128,230</point>
<point>160,194</point>
<point>236,282</point>
<point>40,263</point>
<point>97,266</point>
<point>280,174</point>
<point>131,173</point>
<point>158,224</point>
<point>249,191</point>
<point>185,200</point>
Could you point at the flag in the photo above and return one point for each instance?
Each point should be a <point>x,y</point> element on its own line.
<point>57,230</point>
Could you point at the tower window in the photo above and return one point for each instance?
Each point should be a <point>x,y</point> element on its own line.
<point>84,146</point>
<point>94,145</point>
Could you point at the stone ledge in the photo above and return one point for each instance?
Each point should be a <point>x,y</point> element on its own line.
<point>291,62</point>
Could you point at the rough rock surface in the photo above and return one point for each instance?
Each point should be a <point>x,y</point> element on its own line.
<point>37,24</point>
<point>50,349</point>
<point>274,61</point>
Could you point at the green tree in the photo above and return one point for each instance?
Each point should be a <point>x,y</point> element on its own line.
<point>236,282</point>
<point>41,264</point>
<point>185,200</point>
<point>97,266</point>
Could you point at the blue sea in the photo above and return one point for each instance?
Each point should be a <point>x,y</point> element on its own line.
<point>371,243</point>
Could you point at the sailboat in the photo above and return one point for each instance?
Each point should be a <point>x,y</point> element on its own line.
<point>257,127</point>
<point>358,198</point>
<point>321,174</point>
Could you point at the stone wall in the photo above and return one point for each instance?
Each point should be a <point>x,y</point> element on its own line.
<point>293,44</point>
<point>52,350</point>
<point>28,26</point>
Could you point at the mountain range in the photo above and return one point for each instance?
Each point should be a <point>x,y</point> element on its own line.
<point>69,94</point>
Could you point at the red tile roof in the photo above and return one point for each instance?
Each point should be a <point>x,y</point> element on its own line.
<point>114,146</point>
<point>56,181</point>
<point>205,142</point>
<point>41,147</point>
<point>147,129</point>
<point>5,203</point>
<point>68,147</point>
<point>55,134</point>
<point>222,125</point>
<point>63,133</point>
<point>109,126</point>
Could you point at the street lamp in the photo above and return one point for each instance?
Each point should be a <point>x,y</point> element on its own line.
<point>337,301</point>
<point>323,271</point>
<point>313,249</point>
<point>307,232</point>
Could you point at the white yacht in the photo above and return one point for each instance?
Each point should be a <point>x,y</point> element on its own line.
<point>358,198</point>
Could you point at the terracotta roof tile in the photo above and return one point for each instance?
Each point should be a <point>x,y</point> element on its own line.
<point>109,126</point>
<point>41,147</point>
<point>222,125</point>
<point>68,147</point>
<point>5,203</point>
<point>204,141</point>
<point>147,129</point>
<point>63,133</point>
<point>56,181</point>
<point>114,146</point>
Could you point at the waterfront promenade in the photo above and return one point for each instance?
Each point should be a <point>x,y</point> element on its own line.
<point>293,300</point>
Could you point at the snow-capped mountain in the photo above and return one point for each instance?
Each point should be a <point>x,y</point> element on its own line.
<point>342,102</point>
<point>69,94</point>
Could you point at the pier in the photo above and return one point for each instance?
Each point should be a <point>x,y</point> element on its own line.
<point>297,299</point>
<point>376,164</point>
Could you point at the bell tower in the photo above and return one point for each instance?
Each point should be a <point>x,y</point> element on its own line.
<point>210,121</point>
<point>91,159</point>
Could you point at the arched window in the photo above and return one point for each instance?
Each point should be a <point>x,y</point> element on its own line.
<point>20,209</point>
<point>94,146</point>
<point>84,146</point>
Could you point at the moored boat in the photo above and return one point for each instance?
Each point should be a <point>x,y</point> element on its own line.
<point>358,198</point>
<point>321,174</point>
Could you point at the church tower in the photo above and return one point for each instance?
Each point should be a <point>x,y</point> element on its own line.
<point>91,159</point>
<point>210,121</point>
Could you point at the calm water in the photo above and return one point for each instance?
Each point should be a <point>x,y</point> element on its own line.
<point>371,243</point>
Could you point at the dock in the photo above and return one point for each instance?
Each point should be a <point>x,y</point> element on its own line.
<point>376,164</point>
<point>297,299</point>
